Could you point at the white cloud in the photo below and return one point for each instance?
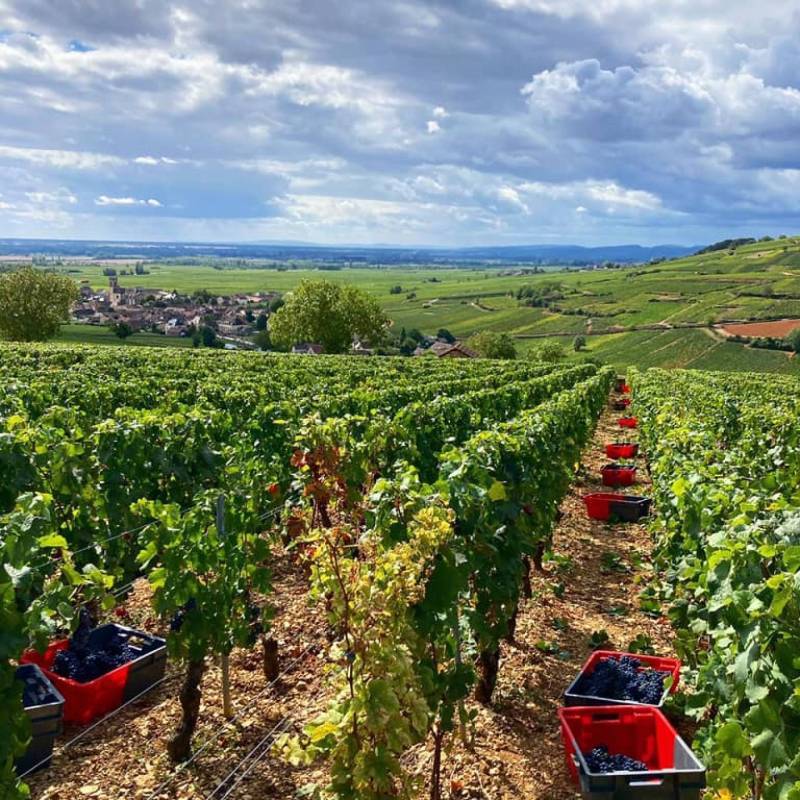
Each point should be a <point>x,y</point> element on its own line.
<point>433,126</point>
<point>57,197</point>
<point>152,161</point>
<point>624,103</point>
<point>62,159</point>
<point>440,112</point>
<point>105,200</point>
<point>509,195</point>
<point>51,206</point>
<point>605,193</point>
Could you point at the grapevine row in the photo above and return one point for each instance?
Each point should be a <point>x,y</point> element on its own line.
<point>724,454</point>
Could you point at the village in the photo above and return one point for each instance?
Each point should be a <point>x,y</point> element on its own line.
<point>173,314</point>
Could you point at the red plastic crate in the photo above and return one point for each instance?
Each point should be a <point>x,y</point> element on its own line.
<point>84,702</point>
<point>625,389</point>
<point>643,733</point>
<point>626,507</point>
<point>627,422</point>
<point>670,665</point>
<point>618,474</point>
<point>622,450</point>
<point>598,504</point>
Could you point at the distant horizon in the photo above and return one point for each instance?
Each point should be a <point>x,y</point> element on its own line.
<point>348,245</point>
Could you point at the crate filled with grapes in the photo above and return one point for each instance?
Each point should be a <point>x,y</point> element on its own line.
<point>628,753</point>
<point>612,678</point>
<point>44,707</point>
<point>99,669</point>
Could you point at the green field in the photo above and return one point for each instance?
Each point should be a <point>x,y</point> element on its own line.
<point>756,281</point>
<point>91,334</point>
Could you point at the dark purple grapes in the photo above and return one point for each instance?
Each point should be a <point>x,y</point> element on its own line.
<point>179,617</point>
<point>600,760</point>
<point>35,693</point>
<point>624,680</point>
<point>255,614</point>
<point>88,665</point>
<point>83,661</point>
<point>80,639</point>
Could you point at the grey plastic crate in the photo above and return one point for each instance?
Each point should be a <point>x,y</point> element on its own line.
<point>47,720</point>
<point>630,509</point>
<point>573,696</point>
<point>643,733</point>
<point>149,665</point>
<point>685,782</point>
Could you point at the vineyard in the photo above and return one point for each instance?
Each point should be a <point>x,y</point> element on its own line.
<point>724,458</point>
<point>411,506</point>
<point>415,494</point>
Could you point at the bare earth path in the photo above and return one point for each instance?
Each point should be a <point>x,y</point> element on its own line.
<point>592,585</point>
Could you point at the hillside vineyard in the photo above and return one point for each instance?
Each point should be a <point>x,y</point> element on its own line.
<point>417,509</point>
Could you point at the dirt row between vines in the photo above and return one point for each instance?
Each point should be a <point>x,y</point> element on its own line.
<point>592,585</point>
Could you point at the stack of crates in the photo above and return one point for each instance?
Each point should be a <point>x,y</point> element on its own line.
<point>44,707</point>
<point>637,730</point>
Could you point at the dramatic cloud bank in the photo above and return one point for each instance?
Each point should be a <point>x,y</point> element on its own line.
<point>455,122</point>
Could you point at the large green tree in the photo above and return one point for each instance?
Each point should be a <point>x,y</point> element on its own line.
<point>33,304</point>
<point>550,351</point>
<point>328,314</point>
<point>793,340</point>
<point>490,344</point>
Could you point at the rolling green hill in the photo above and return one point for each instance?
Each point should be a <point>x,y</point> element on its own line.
<point>758,281</point>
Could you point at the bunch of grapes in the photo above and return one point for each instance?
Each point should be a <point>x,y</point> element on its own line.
<point>256,624</point>
<point>34,692</point>
<point>91,664</point>
<point>84,661</point>
<point>80,639</point>
<point>600,760</point>
<point>179,617</point>
<point>624,679</point>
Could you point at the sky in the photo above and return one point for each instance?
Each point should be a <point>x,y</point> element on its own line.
<point>446,122</point>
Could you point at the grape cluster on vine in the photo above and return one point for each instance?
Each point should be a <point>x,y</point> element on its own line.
<point>179,617</point>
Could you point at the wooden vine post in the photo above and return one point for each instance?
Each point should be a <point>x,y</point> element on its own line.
<point>225,666</point>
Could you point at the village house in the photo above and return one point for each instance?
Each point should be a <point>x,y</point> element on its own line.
<point>308,349</point>
<point>361,349</point>
<point>175,327</point>
<point>447,350</point>
<point>234,329</point>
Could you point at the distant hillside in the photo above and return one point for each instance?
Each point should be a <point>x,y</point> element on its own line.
<point>576,254</point>
<point>358,255</point>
